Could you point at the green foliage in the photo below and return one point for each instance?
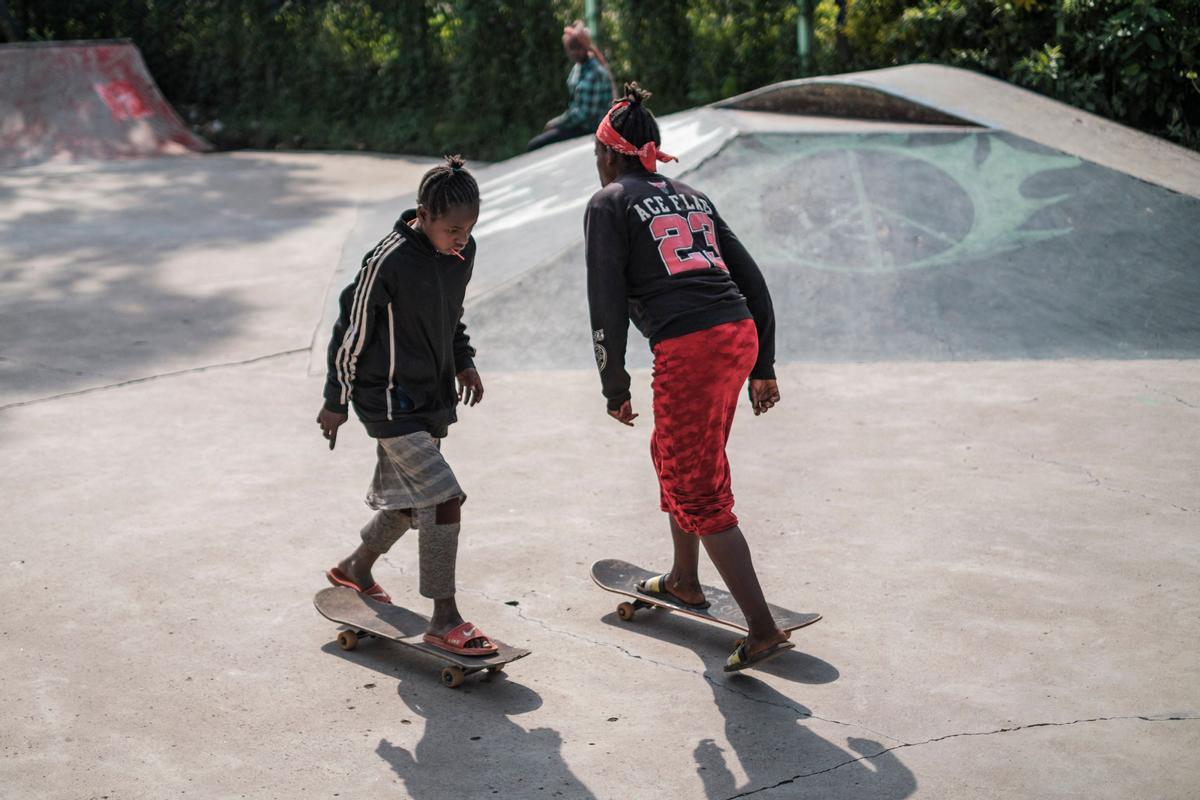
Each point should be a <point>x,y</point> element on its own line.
<point>867,31</point>
<point>417,76</point>
<point>740,45</point>
<point>482,76</point>
<point>829,41</point>
<point>505,73</point>
<point>651,43</point>
<point>1134,61</point>
<point>691,53</point>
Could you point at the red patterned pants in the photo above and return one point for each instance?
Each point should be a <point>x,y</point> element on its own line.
<point>697,381</point>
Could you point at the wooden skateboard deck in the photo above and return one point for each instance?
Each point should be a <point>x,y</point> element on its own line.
<point>621,577</point>
<point>363,616</point>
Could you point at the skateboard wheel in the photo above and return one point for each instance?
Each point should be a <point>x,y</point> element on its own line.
<point>452,677</point>
<point>625,611</point>
<point>494,669</point>
<point>347,640</point>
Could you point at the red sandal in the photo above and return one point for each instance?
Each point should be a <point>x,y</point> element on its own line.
<point>456,641</point>
<point>376,592</point>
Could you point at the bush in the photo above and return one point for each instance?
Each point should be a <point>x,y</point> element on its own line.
<point>482,76</point>
<point>416,76</point>
<point>1135,62</point>
<point>1130,60</point>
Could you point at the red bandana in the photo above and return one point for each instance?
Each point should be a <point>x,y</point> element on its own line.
<point>649,154</point>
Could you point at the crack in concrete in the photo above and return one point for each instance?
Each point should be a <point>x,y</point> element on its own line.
<point>37,365</point>
<point>803,713</point>
<point>800,711</point>
<point>934,740</point>
<point>148,378</point>
<point>1091,477</point>
<point>1097,481</point>
<point>1166,393</point>
<point>1179,399</point>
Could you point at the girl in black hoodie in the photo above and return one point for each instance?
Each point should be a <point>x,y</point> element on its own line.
<point>397,351</point>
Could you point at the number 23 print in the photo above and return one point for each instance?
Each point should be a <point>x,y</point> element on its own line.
<point>677,245</point>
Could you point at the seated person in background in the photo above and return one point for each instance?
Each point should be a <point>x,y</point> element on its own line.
<point>590,86</point>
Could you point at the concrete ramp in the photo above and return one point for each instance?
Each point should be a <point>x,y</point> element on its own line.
<point>903,239</point>
<point>532,214</point>
<point>84,100</point>
<point>937,244</point>
<point>841,98</point>
<point>937,95</point>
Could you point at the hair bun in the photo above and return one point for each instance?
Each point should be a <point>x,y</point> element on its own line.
<point>456,162</point>
<point>635,94</point>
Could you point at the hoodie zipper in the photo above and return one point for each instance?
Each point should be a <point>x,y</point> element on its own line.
<point>391,360</point>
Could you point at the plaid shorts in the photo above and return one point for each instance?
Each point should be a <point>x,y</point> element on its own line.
<point>411,473</point>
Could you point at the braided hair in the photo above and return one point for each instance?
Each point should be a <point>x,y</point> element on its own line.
<point>446,186</point>
<point>635,122</point>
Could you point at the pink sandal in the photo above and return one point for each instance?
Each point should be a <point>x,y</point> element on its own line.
<point>456,641</point>
<point>376,592</point>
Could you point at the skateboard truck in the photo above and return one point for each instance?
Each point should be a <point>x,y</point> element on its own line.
<point>627,609</point>
<point>452,676</point>
<point>363,617</point>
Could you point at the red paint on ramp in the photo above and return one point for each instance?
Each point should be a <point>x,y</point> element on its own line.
<point>84,100</point>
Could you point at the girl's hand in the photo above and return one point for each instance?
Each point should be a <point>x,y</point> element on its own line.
<point>624,414</point>
<point>764,394</point>
<point>470,387</point>
<point>330,421</point>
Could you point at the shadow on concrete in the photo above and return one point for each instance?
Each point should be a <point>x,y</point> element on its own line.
<point>775,748</point>
<point>767,729</point>
<point>467,726</point>
<point>471,748</point>
<point>713,645</point>
<point>395,660</point>
<point>96,264</point>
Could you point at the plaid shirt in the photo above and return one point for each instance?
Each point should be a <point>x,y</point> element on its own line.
<point>591,96</point>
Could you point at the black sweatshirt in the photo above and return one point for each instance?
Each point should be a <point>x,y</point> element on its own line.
<point>659,253</point>
<point>399,340</point>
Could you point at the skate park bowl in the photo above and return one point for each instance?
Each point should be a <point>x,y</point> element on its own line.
<point>931,235</point>
<point>84,100</point>
<point>986,540</point>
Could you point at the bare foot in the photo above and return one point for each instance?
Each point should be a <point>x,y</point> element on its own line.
<point>756,644</point>
<point>446,618</point>
<point>686,590</point>
<point>357,570</point>
<point>440,626</point>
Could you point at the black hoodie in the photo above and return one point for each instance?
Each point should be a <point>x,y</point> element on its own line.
<point>399,340</point>
<point>659,253</point>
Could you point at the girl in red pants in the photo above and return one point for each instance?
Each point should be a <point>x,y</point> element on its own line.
<point>658,252</point>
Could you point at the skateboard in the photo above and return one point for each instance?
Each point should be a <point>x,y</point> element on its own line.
<point>621,577</point>
<point>363,616</point>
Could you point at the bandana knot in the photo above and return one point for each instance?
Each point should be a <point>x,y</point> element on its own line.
<point>648,154</point>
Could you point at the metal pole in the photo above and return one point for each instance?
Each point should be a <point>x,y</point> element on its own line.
<point>804,36</point>
<point>591,14</point>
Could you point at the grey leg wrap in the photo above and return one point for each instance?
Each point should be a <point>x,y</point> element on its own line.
<point>438,547</point>
<point>385,529</point>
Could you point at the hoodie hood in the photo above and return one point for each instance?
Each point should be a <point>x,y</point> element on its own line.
<point>417,238</point>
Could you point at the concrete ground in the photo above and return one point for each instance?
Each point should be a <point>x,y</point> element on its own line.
<point>1005,552</point>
